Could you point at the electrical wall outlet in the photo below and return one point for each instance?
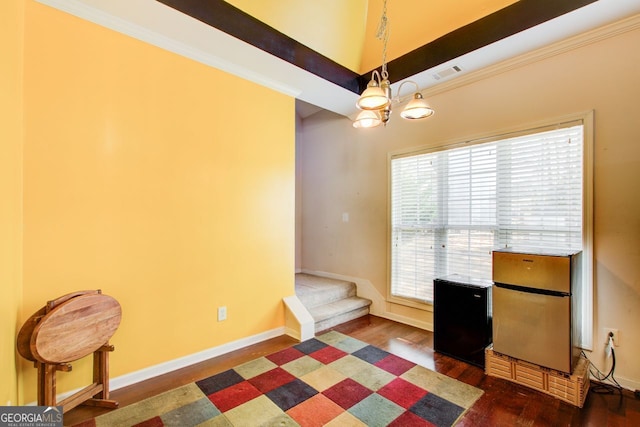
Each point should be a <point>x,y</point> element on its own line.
<point>222,314</point>
<point>616,336</point>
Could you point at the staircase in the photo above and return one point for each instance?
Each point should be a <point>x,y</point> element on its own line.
<point>330,301</point>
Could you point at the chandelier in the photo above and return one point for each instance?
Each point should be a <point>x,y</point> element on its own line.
<point>376,100</point>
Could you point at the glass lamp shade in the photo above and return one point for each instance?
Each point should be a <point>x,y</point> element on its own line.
<point>417,108</point>
<point>367,119</point>
<point>373,98</point>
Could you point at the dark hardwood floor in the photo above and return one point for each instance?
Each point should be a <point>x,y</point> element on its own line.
<point>503,403</point>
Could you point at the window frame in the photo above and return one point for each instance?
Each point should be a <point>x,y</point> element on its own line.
<point>584,118</point>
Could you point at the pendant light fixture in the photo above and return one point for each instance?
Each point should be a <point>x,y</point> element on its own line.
<point>375,102</point>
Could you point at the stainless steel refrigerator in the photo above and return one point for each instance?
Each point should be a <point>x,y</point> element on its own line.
<point>536,310</point>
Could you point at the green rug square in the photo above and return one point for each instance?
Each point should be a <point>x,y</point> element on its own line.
<point>376,411</point>
<point>461,394</point>
<point>217,421</point>
<point>259,411</point>
<point>349,365</point>
<point>255,367</point>
<point>350,345</point>
<point>192,414</point>
<point>373,377</point>
<point>302,366</point>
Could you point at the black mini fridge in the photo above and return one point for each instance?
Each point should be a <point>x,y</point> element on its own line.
<point>462,317</point>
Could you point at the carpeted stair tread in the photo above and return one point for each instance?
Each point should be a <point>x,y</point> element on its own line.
<point>314,290</point>
<point>341,318</point>
<point>327,311</point>
<point>330,301</point>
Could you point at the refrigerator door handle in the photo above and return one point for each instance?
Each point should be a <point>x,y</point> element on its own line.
<point>531,290</point>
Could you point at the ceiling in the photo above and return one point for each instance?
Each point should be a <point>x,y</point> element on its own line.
<point>434,38</point>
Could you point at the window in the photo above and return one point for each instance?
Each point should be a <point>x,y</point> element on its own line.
<point>451,207</point>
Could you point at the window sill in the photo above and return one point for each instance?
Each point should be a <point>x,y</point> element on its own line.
<point>420,305</point>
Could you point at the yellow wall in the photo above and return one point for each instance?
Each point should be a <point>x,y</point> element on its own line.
<point>11,121</point>
<point>145,175</point>
<point>346,171</point>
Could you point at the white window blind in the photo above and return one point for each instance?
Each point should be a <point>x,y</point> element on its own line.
<point>451,208</point>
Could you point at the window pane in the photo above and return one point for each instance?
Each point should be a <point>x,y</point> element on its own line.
<point>451,208</point>
<point>413,263</point>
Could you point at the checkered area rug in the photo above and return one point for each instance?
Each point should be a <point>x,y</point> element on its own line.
<point>330,380</point>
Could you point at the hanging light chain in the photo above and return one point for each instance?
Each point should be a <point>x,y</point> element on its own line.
<point>383,34</point>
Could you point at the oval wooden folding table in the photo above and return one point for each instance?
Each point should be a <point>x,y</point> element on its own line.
<point>67,329</point>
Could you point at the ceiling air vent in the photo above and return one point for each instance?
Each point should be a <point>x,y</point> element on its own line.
<point>447,72</point>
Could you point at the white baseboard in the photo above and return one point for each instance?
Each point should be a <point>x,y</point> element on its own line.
<point>626,383</point>
<point>427,326</point>
<point>181,362</point>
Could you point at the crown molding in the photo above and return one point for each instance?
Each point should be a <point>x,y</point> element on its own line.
<point>589,37</point>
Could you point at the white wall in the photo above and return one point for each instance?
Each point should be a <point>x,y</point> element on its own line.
<point>345,170</point>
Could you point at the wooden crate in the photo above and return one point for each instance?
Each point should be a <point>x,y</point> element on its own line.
<point>568,388</point>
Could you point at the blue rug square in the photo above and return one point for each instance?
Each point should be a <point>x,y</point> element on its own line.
<point>436,410</point>
<point>219,382</point>
<point>291,394</point>
<point>309,346</point>
<point>371,354</point>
